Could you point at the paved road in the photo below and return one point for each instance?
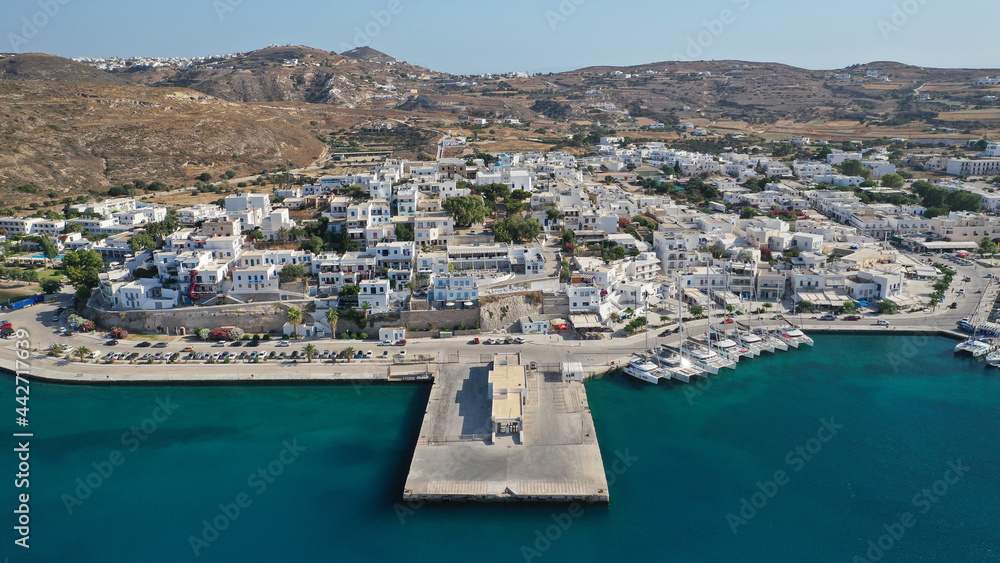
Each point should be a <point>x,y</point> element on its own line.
<point>548,349</point>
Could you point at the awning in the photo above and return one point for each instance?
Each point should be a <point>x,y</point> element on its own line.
<point>585,322</point>
<point>696,295</point>
<point>830,298</point>
<point>905,301</point>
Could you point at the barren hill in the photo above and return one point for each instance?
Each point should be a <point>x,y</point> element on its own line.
<point>70,137</point>
<point>37,66</point>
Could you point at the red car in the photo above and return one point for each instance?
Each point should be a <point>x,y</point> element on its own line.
<point>852,318</point>
<point>728,321</point>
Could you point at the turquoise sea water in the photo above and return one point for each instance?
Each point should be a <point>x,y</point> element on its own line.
<point>686,457</point>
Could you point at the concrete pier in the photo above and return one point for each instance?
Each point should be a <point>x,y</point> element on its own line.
<point>456,458</point>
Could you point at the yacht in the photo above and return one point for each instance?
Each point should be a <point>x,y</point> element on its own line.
<point>646,371</point>
<point>729,349</point>
<point>752,342</point>
<point>976,348</point>
<point>772,340</point>
<point>680,368</point>
<point>993,359</point>
<point>708,360</point>
<point>795,338</point>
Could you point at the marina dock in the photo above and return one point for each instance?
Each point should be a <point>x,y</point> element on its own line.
<point>552,457</point>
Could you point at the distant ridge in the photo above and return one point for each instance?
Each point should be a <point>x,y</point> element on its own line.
<point>369,54</point>
<point>39,66</point>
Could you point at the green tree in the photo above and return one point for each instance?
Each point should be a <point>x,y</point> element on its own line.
<point>520,195</point>
<point>886,307</point>
<point>517,229</point>
<point>987,246</point>
<point>696,310</point>
<point>50,285</point>
<point>310,351</point>
<point>49,248</point>
<point>81,352</point>
<point>294,315</point>
<point>292,272</point>
<point>516,207</point>
<point>854,168</point>
<point>894,181</point>
<point>204,177</point>
<point>141,242</point>
<point>466,210</point>
<point>83,267</point>
<point>314,244</point>
<point>332,316</point>
<point>404,232</point>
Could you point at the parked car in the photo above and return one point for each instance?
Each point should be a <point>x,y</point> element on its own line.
<point>236,344</point>
<point>401,342</point>
<point>283,356</point>
<point>219,344</point>
<point>728,321</point>
<point>325,355</point>
<point>402,353</point>
<point>386,343</point>
<point>253,343</point>
<point>295,355</point>
<point>519,340</point>
<point>188,349</point>
<point>828,317</point>
<point>143,344</point>
<point>111,343</point>
<point>474,341</point>
<point>953,306</point>
<point>370,354</point>
<point>284,344</point>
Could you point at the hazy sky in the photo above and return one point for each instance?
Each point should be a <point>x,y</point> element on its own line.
<point>535,36</point>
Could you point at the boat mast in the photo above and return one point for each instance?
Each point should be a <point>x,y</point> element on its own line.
<point>680,317</point>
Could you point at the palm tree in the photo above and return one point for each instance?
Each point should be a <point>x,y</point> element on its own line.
<point>332,316</point>
<point>295,317</point>
<point>82,352</point>
<point>309,351</point>
<point>283,234</point>
<point>348,353</point>
<point>56,349</point>
<point>366,306</point>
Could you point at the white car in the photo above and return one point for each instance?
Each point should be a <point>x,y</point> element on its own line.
<point>386,343</point>
<point>284,344</point>
<point>402,353</point>
<point>882,322</point>
<point>370,354</point>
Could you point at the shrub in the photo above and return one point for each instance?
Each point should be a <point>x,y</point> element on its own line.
<point>266,337</point>
<point>256,337</point>
<point>364,336</point>
<point>201,333</point>
<point>236,334</point>
<point>119,333</point>
<point>217,334</point>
